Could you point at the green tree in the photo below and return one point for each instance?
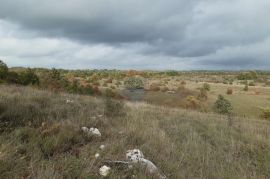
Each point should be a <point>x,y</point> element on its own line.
<point>13,77</point>
<point>223,106</point>
<point>3,70</point>
<point>29,77</point>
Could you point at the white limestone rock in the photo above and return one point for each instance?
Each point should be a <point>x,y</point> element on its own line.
<point>91,131</point>
<point>69,101</point>
<point>104,170</point>
<point>95,131</point>
<point>134,155</point>
<point>102,147</point>
<point>97,155</point>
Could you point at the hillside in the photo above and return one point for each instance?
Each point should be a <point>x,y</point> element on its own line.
<point>41,137</point>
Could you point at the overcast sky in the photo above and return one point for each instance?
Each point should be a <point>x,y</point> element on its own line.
<point>136,34</point>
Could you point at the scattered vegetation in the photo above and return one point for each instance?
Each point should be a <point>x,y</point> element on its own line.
<point>49,142</point>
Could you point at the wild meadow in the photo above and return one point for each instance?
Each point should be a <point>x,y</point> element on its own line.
<point>189,124</point>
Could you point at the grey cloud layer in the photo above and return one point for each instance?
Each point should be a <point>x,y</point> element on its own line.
<point>195,34</point>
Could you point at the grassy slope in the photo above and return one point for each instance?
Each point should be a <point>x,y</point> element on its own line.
<point>183,144</point>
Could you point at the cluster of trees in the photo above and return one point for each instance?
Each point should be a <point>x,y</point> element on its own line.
<point>27,77</point>
<point>252,75</point>
<point>54,80</point>
<point>48,79</point>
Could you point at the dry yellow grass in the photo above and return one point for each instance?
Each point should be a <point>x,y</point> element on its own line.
<point>182,143</point>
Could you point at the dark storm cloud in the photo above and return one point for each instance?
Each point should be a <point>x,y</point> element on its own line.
<point>191,34</point>
<point>102,20</point>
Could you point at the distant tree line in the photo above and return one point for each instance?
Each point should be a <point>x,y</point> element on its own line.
<point>27,77</point>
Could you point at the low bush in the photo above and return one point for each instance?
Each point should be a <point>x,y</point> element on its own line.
<point>133,83</point>
<point>110,93</point>
<point>192,102</point>
<point>265,113</point>
<point>164,89</point>
<point>206,86</point>
<point>154,87</point>
<point>229,91</point>
<point>59,141</point>
<point>203,94</point>
<point>246,88</point>
<point>223,106</point>
<point>183,82</point>
<point>251,83</point>
<point>114,108</point>
<point>110,80</point>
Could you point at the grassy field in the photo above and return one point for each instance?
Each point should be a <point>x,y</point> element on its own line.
<point>41,138</point>
<point>245,103</point>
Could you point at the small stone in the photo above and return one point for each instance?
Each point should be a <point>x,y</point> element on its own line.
<point>85,129</point>
<point>102,147</point>
<point>97,155</point>
<point>104,170</point>
<point>91,131</point>
<point>69,101</point>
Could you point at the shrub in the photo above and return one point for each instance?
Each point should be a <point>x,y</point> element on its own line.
<point>75,87</point>
<point>229,91</point>
<point>223,106</point>
<point>251,83</point>
<point>133,83</point>
<point>192,102</point>
<point>206,87</point>
<point>13,77</point>
<point>183,82</point>
<point>110,80</point>
<point>59,141</point>
<point>154,87</point>
<point>246,88</point>
<point>203,94</point>
<point>164,89</point>
<point>118,83</point>
<point>29,77</point>
<point>110,93</point>
<point>88,90</point>
<point>181,87</point>
<point>96,83</point>
<point>114,108</point>
<point>3,70</point>
<point>265,113</point>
